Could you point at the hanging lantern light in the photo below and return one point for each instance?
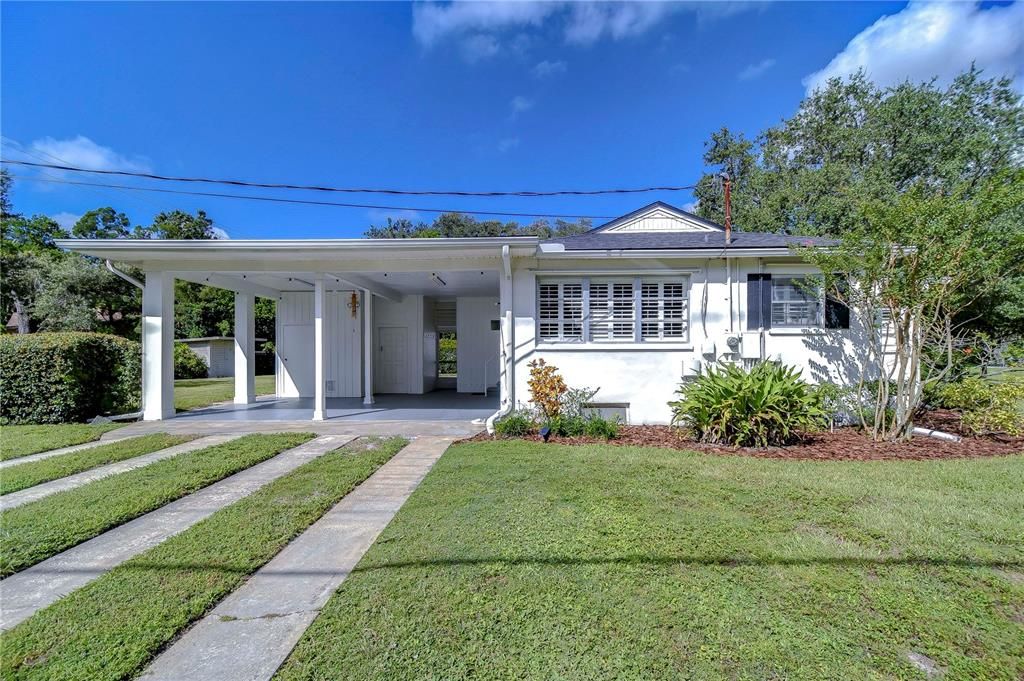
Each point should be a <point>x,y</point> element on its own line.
<point>353,304</point>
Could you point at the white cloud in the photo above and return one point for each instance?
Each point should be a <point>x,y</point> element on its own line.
<point>65,219</point>
<point>508,144</point>
<point>755,70</point>
<point>927,40</point>
<point>520,104</point>
<point>582,23</point>
<point>83,152</point>
<point>691,206</point>
<point>380,216</point>
<point>590,21</point>
<point>547,69</point>
<point>479,46</point>
<point>219,233</point>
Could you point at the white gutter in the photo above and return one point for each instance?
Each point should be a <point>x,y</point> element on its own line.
<point>127,277</point>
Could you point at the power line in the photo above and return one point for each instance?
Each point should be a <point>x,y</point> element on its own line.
<point>13,144</point>
<point>350,190</point>
<point>316,203</point>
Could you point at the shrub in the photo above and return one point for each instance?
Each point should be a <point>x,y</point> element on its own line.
<point>516,424</point>
<point>598,426</point>
<point>66,377</point>
<point>546,388</point>
<point>187,364</point>
<point>985,408</point>
<point>568,426</point>
<point>770,405</point>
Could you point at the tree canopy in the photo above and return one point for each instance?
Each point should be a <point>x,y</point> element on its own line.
<point>448,225</point>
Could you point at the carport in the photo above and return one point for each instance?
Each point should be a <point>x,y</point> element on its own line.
<point>358,322</point>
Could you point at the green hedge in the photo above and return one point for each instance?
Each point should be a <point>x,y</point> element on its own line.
<point>187,364</point>
<point>67,377</point>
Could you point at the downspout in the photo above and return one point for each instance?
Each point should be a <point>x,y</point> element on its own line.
<point>127,277</point>
<point>134,282</point>
<point>507,347</point>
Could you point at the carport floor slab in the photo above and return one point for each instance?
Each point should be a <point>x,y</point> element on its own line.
<point>34,588</point>
<point>253,630</point>
<point>37,492</point>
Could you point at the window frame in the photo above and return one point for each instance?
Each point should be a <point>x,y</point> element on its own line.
<point>819,317</point>
<point>636,321</point>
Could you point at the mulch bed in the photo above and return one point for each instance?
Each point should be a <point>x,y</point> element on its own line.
<point>844,444</point>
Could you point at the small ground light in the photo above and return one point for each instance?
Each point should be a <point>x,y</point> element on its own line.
<point>545,433</point>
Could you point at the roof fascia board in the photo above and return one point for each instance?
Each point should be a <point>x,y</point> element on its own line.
<point>670,253</point>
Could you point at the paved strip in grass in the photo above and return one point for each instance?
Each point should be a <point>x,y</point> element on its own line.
<point>26,592</point>
<point>112,627</point>
<point>516,560</point>
<point>36,531</point>
<point>251,633</point>
<point>18,441</point>
<point>37,472</point>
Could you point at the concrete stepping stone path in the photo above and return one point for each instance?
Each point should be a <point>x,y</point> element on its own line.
<point>45,489</point>
<point>39,456</point>
<point>254,629</point>
<point>34,588</point>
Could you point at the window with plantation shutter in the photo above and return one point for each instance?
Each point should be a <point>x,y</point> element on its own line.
<point>664,313</point>
<point>560,311</point>
<point>613,310</point>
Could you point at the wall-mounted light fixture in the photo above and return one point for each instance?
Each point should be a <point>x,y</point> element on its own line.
<point>353,304</point>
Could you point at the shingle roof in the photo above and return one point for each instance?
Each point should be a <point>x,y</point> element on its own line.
<point>599,241</point>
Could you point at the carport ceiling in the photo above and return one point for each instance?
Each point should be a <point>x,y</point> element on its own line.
<point>455,283</point>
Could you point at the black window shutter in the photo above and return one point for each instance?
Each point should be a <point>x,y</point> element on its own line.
<point>759,301</point>
<point>837,314</point>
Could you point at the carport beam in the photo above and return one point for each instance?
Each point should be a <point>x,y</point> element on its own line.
<point>245,348</point>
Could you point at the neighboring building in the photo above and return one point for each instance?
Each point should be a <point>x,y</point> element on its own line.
<point>218,352</point>
<point>631,307</point>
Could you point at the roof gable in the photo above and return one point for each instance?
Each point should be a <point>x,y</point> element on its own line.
<point>660,218</point>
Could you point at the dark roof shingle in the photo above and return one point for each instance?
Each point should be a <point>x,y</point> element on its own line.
<point>595,240</point>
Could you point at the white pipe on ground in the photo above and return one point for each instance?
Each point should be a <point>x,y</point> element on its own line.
<point>937,434</point>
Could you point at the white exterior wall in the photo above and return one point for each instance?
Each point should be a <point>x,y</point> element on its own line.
<point>646,375</point>
<point>407,314</point>
<point>342,358</point>
<point>478,346</point>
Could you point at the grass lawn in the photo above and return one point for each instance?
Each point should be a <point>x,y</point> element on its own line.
<point>519,560</point>
<point>38,530</point>
<point>18,441</point>
<point>34,472</point>
<point>111,628</point>
<point>201,392</point>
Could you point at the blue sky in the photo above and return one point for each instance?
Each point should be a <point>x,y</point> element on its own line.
<point>477,96</point>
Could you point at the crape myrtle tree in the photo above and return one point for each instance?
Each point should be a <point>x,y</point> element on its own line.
<point>921,186</point>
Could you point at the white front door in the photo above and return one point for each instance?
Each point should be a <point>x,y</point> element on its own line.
<point>297,357</point>
<point>391,365</point>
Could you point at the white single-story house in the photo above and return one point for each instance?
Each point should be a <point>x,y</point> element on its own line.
<point>632,307</point>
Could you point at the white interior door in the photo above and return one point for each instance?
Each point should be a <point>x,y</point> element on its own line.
<point>297,358</point>
<point>392,364</point>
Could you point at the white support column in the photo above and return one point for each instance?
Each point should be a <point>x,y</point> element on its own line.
<point>319,342</point>
<point>245,348</point>
<point>158,346</point>
<point>506,364</point>
<point>368,345</point>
